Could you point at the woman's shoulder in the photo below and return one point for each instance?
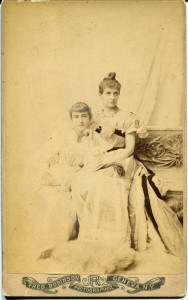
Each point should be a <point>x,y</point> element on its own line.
<point>119,115</point>
<point>125,114</point>
<point>130,122</point>
<point>124,118</point>
<point>120,118</point>
<point>127,122</point>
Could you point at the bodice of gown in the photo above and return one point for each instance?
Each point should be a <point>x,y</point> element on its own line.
<point>73,150</point>
<point>78,153</point>
<point>124,122</point>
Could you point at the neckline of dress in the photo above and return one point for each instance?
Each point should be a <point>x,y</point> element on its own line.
<point>110,116</point>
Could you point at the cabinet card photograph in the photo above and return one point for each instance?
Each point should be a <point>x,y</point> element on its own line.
<point>93,148</point>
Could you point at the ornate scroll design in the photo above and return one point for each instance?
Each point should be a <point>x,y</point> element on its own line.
<point>94,284</point>
<point>164,150</point>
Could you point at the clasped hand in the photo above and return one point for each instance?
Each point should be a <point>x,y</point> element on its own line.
<point>105,162</point>
<point>97,159</point>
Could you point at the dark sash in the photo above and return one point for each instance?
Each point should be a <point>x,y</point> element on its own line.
<point>152,174</point>
<point>147,202</point>
<point>116,131</point>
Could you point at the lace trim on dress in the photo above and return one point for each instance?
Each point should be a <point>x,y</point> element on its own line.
<point>125,124</point>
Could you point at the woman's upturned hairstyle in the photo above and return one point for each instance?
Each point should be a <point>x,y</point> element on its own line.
<point>111,82</point>
<point>80,107</point>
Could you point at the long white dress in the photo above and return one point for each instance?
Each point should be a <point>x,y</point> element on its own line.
<point>104,201</point>
<point>110,199</point>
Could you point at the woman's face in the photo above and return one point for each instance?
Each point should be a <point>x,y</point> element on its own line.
<point>80,121</point>
<point>110,97</point>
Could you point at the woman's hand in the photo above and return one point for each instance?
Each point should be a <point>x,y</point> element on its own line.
<point>105,162</point>
<point>108,160</point>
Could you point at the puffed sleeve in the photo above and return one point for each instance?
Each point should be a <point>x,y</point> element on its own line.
<point>134,124</point>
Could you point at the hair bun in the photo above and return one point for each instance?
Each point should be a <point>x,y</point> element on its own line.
<point>112,75</point>
<point>109,81</point>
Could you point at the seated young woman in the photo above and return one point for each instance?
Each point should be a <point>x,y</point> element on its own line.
<point>106,187</point>
<point>118,200</point>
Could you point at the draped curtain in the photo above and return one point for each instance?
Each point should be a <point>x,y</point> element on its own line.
<point>57,54</point>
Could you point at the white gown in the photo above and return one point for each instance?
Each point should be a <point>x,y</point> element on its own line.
<point>106,200</point>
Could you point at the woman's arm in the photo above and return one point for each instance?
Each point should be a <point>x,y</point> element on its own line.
<point>118,155</point>
<point>59,172</point>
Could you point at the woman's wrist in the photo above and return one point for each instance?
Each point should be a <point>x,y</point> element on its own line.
<point>108,160</point>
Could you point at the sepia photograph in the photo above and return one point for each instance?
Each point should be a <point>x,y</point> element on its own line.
<point>93,148</point>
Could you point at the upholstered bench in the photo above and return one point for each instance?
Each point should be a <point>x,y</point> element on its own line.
<point>162,152</point>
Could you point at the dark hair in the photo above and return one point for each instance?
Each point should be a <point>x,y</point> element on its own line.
<point>80,107</point>
<point>109,81</point>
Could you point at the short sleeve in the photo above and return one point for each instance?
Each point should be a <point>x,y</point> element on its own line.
<point>134,124</point>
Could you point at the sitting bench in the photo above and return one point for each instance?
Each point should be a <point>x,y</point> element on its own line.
<point>162,152</point>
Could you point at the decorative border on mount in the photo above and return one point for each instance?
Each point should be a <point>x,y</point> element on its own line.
<point>162,148</point>
<point>93,284</point>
